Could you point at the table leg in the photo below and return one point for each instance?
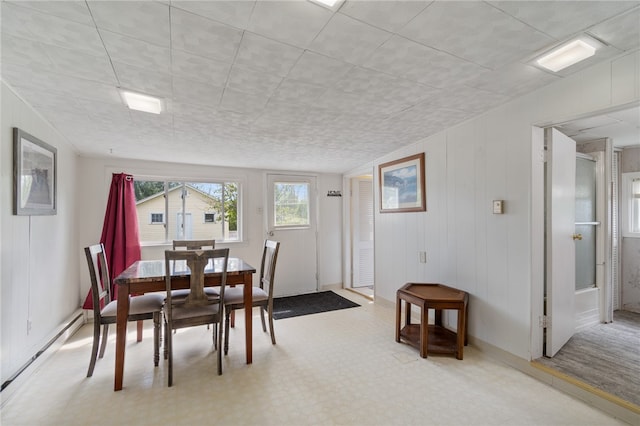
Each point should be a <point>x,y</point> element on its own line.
<point>398,316</point>
<point>407,312</point>
<point>424,332</point>
<point>121,334</point>
<point>248,315</point>
<point>460,333</point>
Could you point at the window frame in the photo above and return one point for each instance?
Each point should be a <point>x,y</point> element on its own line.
<point>204,217</point>
<point>152,222</point>
<point>293,226</point>
<point>627,205</point>
<point>239,182</point>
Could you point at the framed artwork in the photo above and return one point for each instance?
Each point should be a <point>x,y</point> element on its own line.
<point>402,187</point>
<point>34,175</point>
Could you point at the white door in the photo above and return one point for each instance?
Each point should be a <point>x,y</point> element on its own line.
<point>362,231</point>
<point>560,246</point>
<point>292,220</point>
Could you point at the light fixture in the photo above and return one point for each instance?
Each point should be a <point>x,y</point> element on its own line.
<point>329,4</point>
<point>568,54</point>
<point>140,102</point>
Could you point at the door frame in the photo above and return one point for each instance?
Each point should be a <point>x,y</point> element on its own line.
<point>347,245</point>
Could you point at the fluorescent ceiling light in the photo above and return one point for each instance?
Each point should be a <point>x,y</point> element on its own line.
<point>140,102</point>
<point>567,55</point>
<point>330,4</point>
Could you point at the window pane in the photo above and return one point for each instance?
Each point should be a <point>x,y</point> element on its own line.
<point>196,210</point>
<point>150,207</point>
<point>291,203</point>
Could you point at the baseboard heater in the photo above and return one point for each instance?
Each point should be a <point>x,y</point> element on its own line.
<point>41,351</point>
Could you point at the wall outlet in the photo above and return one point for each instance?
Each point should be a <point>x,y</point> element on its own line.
<point>422,256</point>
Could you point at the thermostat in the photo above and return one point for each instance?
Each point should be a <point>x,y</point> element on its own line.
<point>498,206</point>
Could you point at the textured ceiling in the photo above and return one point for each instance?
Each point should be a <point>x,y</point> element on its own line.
<point>286,84</point>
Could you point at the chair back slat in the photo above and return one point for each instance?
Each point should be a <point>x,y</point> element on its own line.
<point>99,274</point>
<point>268,266</point>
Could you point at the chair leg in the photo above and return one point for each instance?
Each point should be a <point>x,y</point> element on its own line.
<point>105,334</point>
<point>264,326</point>
<point>169,346</point>
<point>271,330</point>
<point>156,338</point>
<point>166,339</point>
<point>94,347</point>
<point>139,329</point>
<point>219,352</point>
<point>226,330</point>
<point>215,335</point>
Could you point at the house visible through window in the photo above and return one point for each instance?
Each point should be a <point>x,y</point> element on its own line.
<point>178,206</point>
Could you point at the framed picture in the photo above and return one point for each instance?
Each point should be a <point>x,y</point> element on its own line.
<point>34,175</point>
<point>402,185</point>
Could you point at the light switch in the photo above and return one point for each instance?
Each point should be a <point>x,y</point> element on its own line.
<point>498,206</point>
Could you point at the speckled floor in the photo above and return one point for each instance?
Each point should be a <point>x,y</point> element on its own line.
<point>336,368</point>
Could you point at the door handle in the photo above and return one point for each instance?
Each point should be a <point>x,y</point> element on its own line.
<point>270,233</point>
<point>577,237</point>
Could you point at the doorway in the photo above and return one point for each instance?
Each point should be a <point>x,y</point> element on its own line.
<point>291,219</point>
<point>362,235</point>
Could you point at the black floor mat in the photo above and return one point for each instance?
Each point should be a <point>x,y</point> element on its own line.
<point>312,303</point>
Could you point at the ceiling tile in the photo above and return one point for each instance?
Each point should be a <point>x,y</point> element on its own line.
<point>33,25</point>
<point>292,22</point>
<point>348,39</point>
<point>235,101</point>
<point>261,53</point>
<point>76,11</point>
<point>76,63</point>
<point>298,92</point>
<point>561,19</point>
<point>414,61</point>
<point>252,82</point>
<point>23,52</point>
<point>204,37</point>
<point>147,21</point>
<point>234,13</point>
<point>136,52</point>
<point>144,80</point>
<point>197,68</point>
<point>622,32</point>
<point>513,80</point>
<point>456,30</point>
<point>319,69</point>
<point>387,15</point>
<point>188,91</point>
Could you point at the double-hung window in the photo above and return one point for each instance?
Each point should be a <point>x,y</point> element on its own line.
<point>179,210</point>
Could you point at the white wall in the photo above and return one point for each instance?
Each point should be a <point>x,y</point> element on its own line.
<point>468,166</point>
<point>38,277</point>
<point>94,188</point>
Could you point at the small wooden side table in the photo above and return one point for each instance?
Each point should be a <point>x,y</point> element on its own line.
<point>432,338</point>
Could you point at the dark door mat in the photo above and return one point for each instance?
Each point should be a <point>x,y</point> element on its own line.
<point>312,303</point>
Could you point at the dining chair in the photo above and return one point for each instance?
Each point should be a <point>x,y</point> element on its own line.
<point>146,306</point>
<point>262,295</point>
<point>197,308</point>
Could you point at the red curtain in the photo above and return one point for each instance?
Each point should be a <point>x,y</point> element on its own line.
<point>120,234</point>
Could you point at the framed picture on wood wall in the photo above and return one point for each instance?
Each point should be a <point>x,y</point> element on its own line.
<point>34,175</point>
<point>402,185</point>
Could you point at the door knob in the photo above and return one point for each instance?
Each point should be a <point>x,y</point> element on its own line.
<point>270,233</point>
<point>577,237</point>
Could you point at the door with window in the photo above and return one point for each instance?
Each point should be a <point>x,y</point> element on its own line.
<point>291,219</point>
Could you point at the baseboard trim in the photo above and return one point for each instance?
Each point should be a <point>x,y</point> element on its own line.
<point>60,336</point>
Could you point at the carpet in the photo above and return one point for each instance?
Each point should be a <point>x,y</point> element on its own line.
<point>312,303</point>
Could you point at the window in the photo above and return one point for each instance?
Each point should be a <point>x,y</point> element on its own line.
<point>291,204</point>
<point>156,218</point>
<point>631,204</point>
<point>179,207</point>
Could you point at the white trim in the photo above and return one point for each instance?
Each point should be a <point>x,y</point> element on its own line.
<point>626,205</point>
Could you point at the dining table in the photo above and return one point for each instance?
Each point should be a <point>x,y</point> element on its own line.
<point>144,276</point>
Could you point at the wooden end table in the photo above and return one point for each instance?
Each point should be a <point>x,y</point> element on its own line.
<point>432,338</point>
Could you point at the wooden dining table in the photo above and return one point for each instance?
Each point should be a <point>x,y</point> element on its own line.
<point>146,276</point>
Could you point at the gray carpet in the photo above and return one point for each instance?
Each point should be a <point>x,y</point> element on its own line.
<point>606,356</point>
